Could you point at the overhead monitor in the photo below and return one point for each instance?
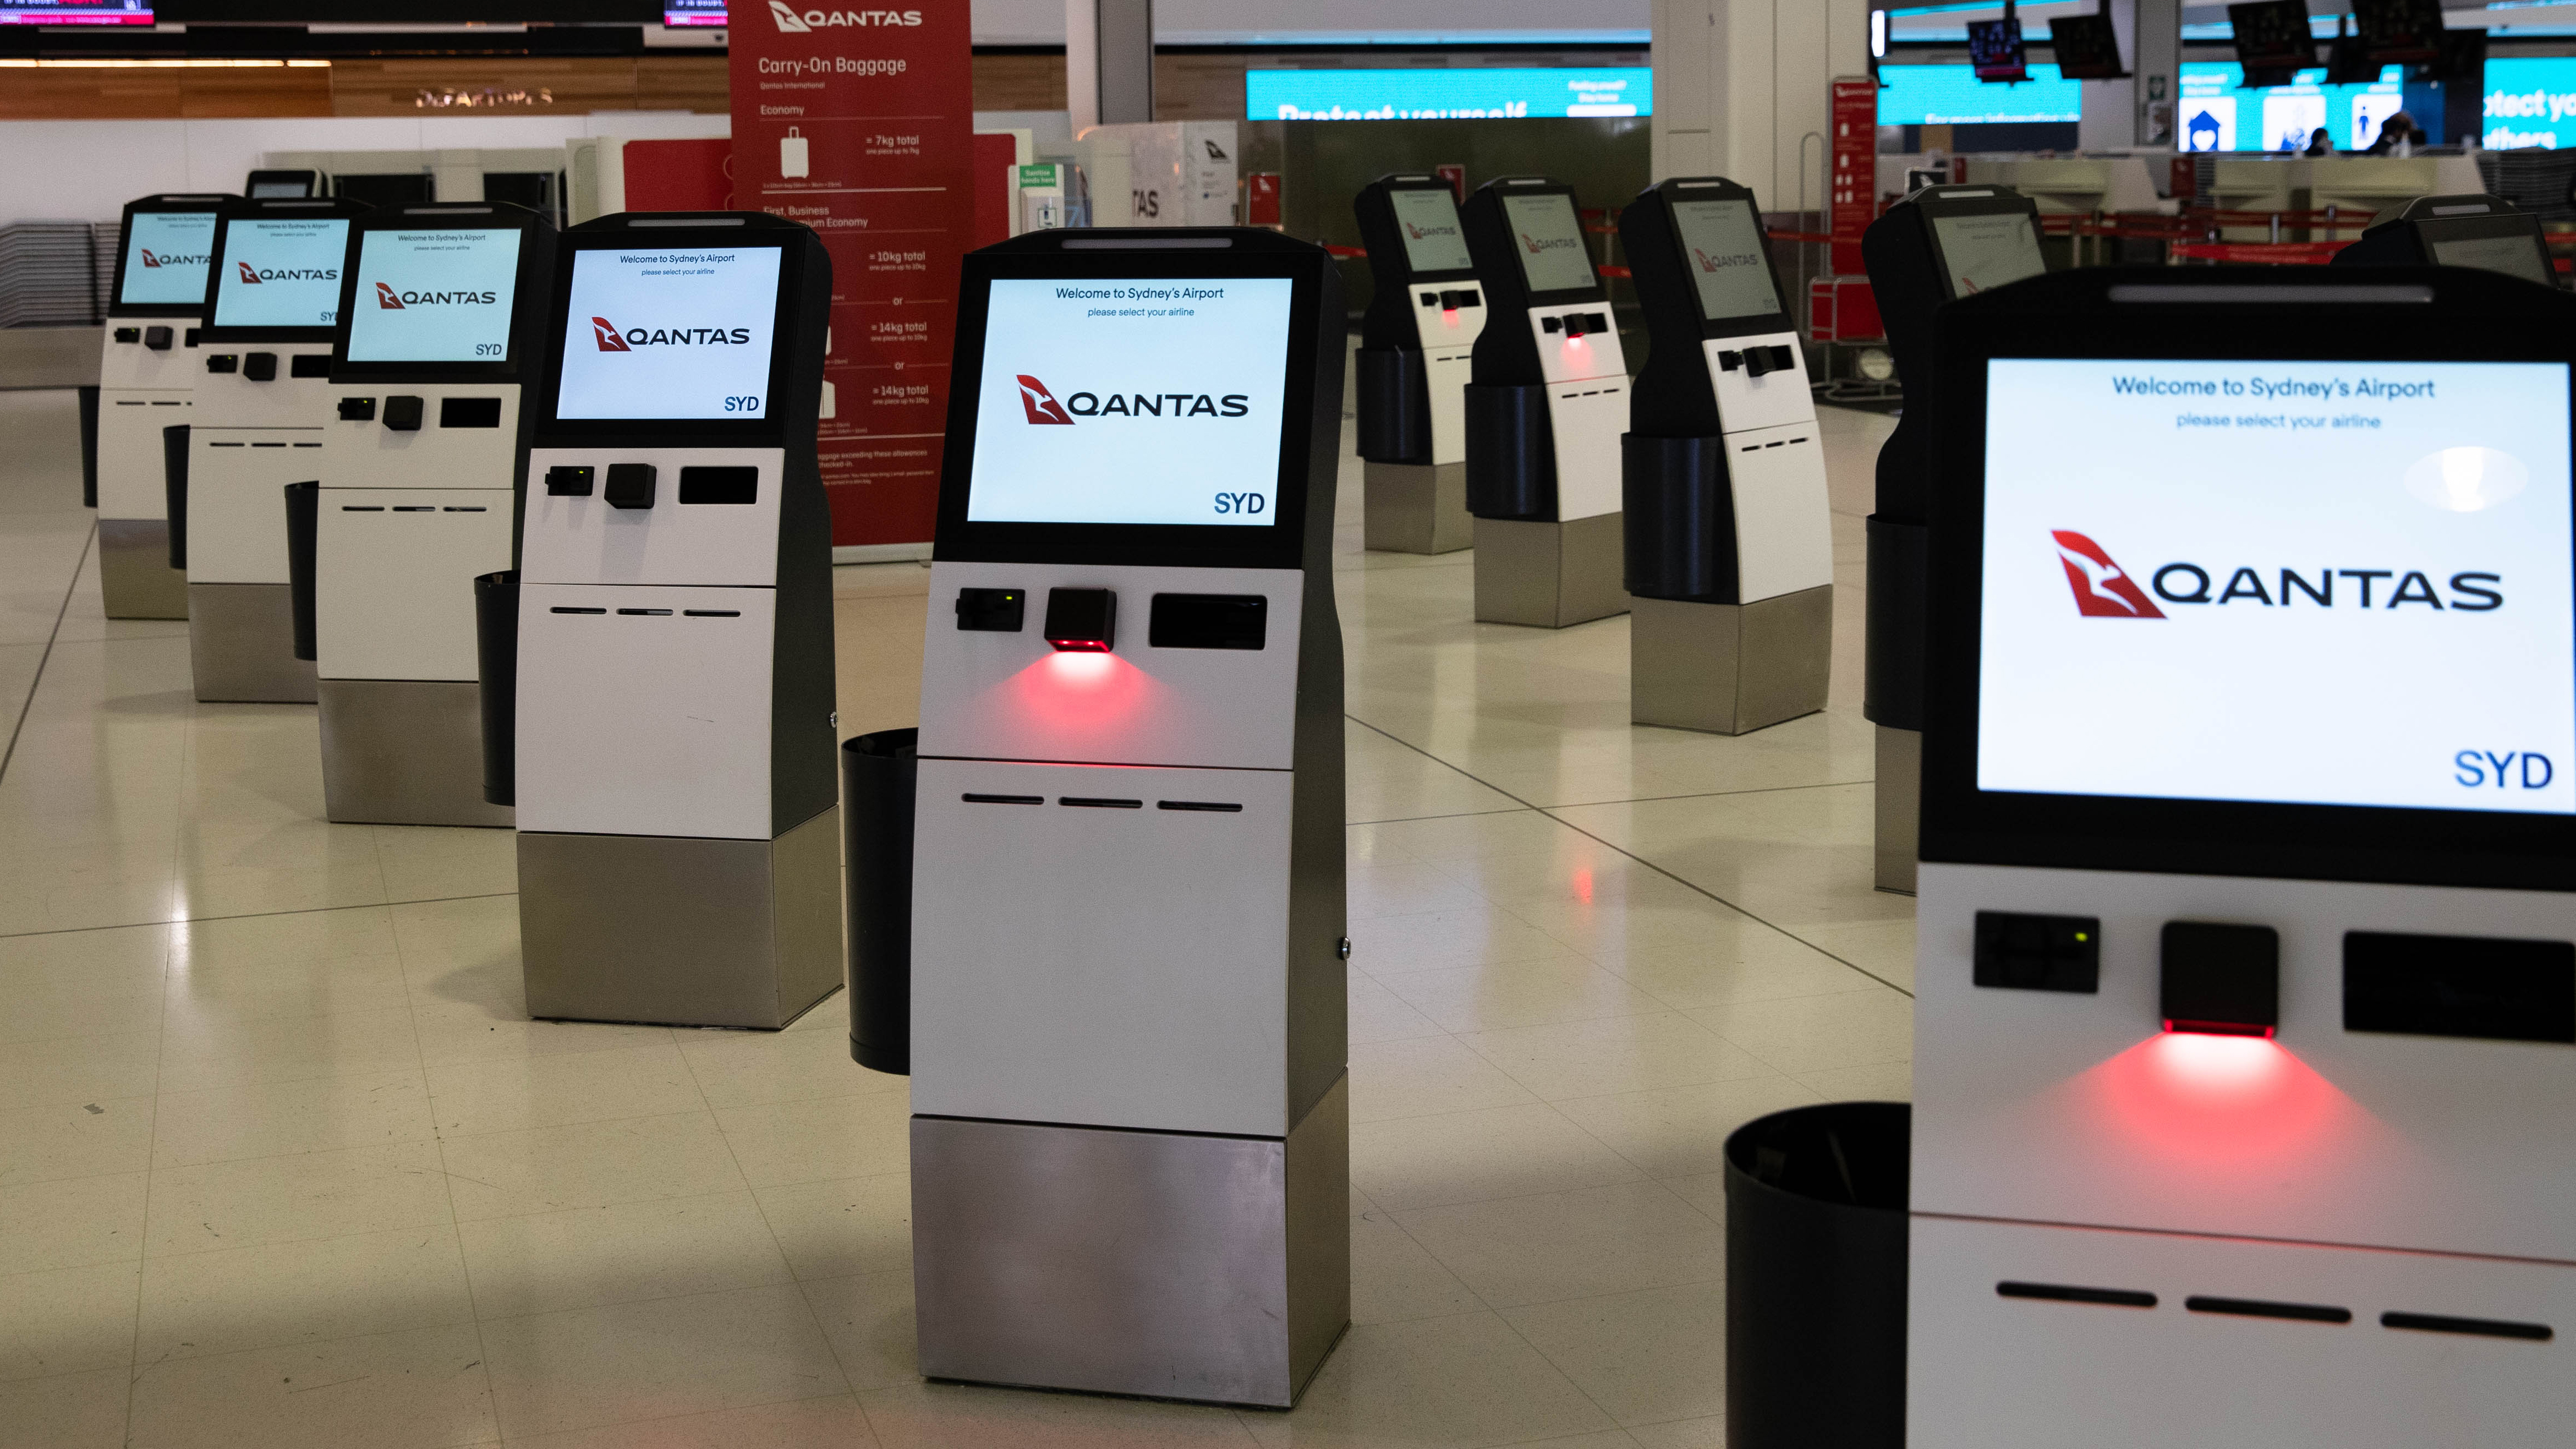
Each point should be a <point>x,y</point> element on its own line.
<point>669,333</point>
<point>1995,50</point>
<point>281,271</point>
<point>1722,245</point>
<point>166,253</point>
<point>2516,254</point>
<point>1548,238</point>
<point>2086,46</point>
<point>2310,582</point>
<point>76,12</point>
<point>1433,241</point>
<point>688,13</point>
<point>1984,251</point>
<point>434,295</point>
<point>1131,401</point>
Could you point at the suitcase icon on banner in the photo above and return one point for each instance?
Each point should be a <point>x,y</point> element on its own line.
<point>791,153</point>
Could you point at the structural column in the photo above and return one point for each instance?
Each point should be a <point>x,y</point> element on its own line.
<point>1108,61</point>
<point>1744,90</point>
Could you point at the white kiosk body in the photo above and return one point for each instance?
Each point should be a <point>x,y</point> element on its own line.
<point>147,375</point>
<point>1417,352</point>
<point>1544,412</point>
<point>426,439</point>
<point>2245,1064</point>
<point>679,845</point>
<point>1130,1140</point>
<point>272,300</point>
<point>1730,541</point>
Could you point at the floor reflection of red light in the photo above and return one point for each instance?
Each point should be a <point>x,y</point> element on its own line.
<point>1583,885</point>
<point>2216,1101</point>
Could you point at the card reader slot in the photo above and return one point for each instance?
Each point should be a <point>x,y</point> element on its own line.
<point>2488,988</point>
<point>2474,1327</point>
<point>2266,1308</point>
<point>2069,1293</point>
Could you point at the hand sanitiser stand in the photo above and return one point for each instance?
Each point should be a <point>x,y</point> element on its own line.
<point>1130,1142</point>
<point>272,300</point>
<point>679,844</point>
<point>1544,413</point>
<point>147,376</point>
<point>426,439</point>
<point>1417,348</point>
<point>1938,244</point>
<point>2245,1036</point>
<point>1730,540</point>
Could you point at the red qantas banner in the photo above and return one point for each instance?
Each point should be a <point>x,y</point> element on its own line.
<point>1855,190</point>
<point>860,123</point>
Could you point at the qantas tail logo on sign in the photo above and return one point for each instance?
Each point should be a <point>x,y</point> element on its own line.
<point>1554,243</point>
<point>249,277</point>
<point>1040,403</point>
<point>604,332</point>
<point>152,258</point>
<point>790,22</point>
<point>386,299</point>
<point>2103,590</point>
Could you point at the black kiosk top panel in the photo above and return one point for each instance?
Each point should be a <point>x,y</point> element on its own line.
<point>163,250</point>
<point>443,291</point>
<point>1703,270</point>
<point>276,273</point>
<point>705,326</point>
<point>1409,222</point>
<point>2487,232</point>
<point>1164,396</point>
<point>2264,575</point>
<point>1527,240</point>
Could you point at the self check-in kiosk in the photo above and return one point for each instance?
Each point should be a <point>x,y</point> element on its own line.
<point>2245,1034</point>
<point>1544,413</point>
<point>272,300</point>
<point>2487,232</point>
<point>1936,245</point>
<point>147,377</point>
<point>679,845</point>
<point>1417,349</point>
<point>439,313</point>
<point>1130,1141</point>
<point>1730,551</point>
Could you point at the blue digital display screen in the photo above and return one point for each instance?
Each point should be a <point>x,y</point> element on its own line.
<point>1435,95</point>
<point>2530,101</point>
<point>1951,95</point>
<point>2216,115</point>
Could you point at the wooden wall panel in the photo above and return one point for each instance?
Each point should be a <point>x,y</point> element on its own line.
<point>162,93</point>
<point>482,85</point>
<point>682,83</point>
<point>1019,82</point>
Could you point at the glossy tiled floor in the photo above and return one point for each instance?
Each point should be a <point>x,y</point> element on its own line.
<point>282,1163</point>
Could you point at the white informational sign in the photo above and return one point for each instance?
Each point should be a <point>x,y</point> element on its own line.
<point>281,273</point>
<point>434,296</point>
<point>669,333</point>
<point>1131,401</point>
<point>2333,583</point>
<point>166,253</point>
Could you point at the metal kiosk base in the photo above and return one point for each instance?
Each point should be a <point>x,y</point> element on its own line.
<point>681,931</point>
<point>135,580</point>
<point>1550,575</point>
<point>1900,803</point>
<point>1416,507</point>
<point>1163,1264</point>
<point>1729,669</point>
<point>241,645</point>
<point>405,752</point>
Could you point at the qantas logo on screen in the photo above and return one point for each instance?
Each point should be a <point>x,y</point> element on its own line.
<point>1552,244</point>
<point>1709,263</point>
<point>1419,232</point>
<point>1041,406</point>
<point>252,277</point>
<point>2104,590</point>
<point>610,339</point>
<point>152,258</point>
<point>390,300</point>
<point>791,22</point>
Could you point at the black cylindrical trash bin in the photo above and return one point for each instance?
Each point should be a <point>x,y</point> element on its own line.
<point>1511,453</point>
<point>496,657</point>
<point>1899,632</point>
<point>1815,1278</point>
<point>877,775</point>
<point>303,527</point>
<point>89,446</point>
<point>1394,405</point>
<point>174,485</point>
<point>1679,518</point>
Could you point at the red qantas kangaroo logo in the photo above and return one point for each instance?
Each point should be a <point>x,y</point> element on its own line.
<point>1040,403</point>
<point>386,299</point>
<point>247,275</point>
<point>150,260</point>
<point>604,332</point>
<point>2103,590</point>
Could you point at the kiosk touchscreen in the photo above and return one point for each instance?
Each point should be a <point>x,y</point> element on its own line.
<point>147,377</point>
<point>439,314</point>
<point>272,301</point>
<point>1417,348</point>
<point>1730,567</point>
<point>2487,232</point>
<point>1130,1140</point>
<point>1935,246</point>
<point>1544,412</point>
<point>679,847</point>
<point>2245,1035</point>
